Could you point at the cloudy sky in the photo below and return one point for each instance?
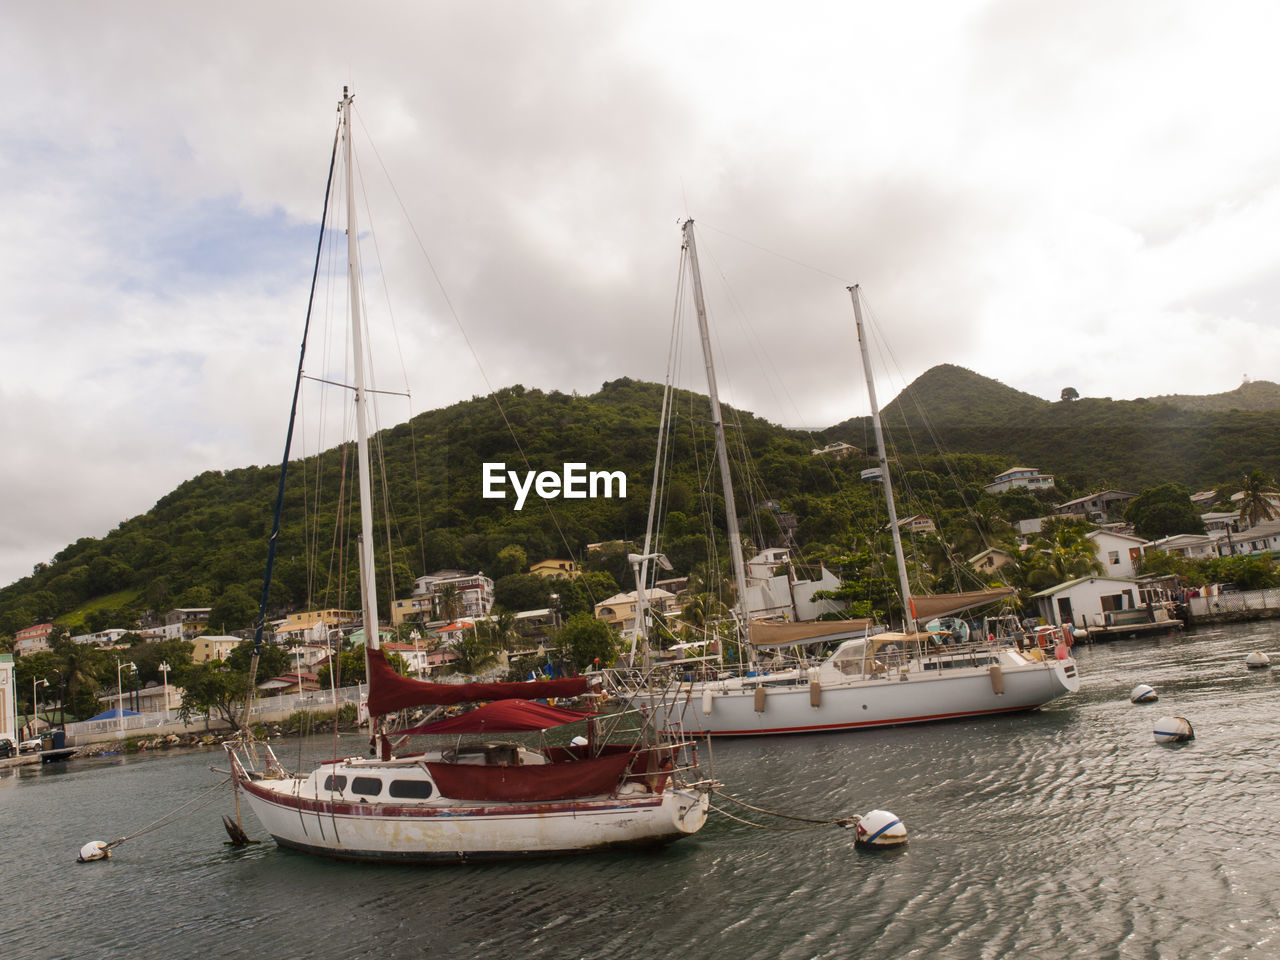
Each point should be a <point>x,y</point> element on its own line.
<point>1050,194</point>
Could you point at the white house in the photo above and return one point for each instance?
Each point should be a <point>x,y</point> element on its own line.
<point>8,701</point>
<point>474,592</point>
<point>1029,477</point>
<point>1262,538</point>
<point>1194,546</point>
<point>1119,553</point>
<point>103,638</point>
<point>1087,601</point>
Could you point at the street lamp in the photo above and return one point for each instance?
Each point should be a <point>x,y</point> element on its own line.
<point>35,706</point>
<point>164,669</point>
<point>120,695</point>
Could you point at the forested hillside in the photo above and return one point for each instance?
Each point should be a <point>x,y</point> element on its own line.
<point>204,544</point>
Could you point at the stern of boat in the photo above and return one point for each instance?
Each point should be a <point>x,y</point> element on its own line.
<point>688,805</point>
<point>1067,673</point>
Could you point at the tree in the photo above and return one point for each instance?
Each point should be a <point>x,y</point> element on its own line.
<point>213,690</point>
<point>1256,504</point>
<point>586,642</point>
<point>234,609</point>
<point>1069,394</point>
<point>1163,511</point>
<point>512,559</point>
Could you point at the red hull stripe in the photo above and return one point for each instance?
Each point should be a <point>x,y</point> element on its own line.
<point>818,728</point>
<point>379,811</point>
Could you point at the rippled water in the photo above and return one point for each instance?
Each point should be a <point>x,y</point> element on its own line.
<point>1063,833</point>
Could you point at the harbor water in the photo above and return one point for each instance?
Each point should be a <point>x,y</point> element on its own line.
<point>1065,832</point>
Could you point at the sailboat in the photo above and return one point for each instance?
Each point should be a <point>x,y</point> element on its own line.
<point>476,790</point>
<point>870,679</point>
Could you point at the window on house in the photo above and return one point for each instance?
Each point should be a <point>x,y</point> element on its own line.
<point>1113,557</point>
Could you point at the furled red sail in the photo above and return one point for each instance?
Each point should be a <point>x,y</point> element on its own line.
<point>550,781</point>
<point>503,716</point>
<point>389,692</point>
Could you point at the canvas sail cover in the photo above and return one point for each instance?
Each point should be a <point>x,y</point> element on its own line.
<point>531,784</point>
<point>389,692</point>
<point>502,716</point>
<point>945,604</point>
<point>763,633</point>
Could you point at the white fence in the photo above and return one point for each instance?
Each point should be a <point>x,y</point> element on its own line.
<point>264,708</point>
<point>1234,602</point>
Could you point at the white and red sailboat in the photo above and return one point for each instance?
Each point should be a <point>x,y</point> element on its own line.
<point>477,795</point>
<point>506,779</point>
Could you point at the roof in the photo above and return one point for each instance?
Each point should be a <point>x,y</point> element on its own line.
<point>1111,533</point>
<point>1079,580</point>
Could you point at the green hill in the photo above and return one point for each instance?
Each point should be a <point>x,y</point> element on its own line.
<point>204,544</point>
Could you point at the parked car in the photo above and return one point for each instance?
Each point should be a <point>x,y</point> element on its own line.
<point>7,748</point>
<point>30,746</point>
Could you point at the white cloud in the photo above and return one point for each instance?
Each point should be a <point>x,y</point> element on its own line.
<point>1051,195</point>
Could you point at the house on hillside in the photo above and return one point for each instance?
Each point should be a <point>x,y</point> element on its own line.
<point>917,523</point>
<point>1271,497</point>
<point>207,649</point>
<point>312,626</point>
<point>1029,477</point>
<point>837,450</point>
<point>1193,546</point>
<point>32,639</point>
<point>101,638</point>
<point>990,560</point>
<point>1096,507</point>
<point>1263,538</point>
<point>1119,553</point>
<point>555,569</point>
<point>1220,524</point>
<point>183,623</point>
<point>473,593</point>
<point>619,611</point>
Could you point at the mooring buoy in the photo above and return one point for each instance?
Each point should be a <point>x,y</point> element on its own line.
<point>1143,693</point>
<point>1257,660</point>
<point>94,850</point>
<point>880,830</point>
<point>1174,730</point>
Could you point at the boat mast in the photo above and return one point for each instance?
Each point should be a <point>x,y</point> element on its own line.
<point>908,605</point>
<point>368,593</point>
<point>731,510</point>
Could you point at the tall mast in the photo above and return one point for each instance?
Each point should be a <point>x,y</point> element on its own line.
<point>368,593</point>
<point>908,606</point>
<point>735,540</point>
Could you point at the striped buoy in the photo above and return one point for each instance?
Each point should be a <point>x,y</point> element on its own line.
<point>880,830</point>
<point>1174,730</point>
<point>1143,694</point>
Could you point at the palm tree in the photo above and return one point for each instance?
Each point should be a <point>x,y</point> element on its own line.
<point>1256,504</point>
<point>448,602</point>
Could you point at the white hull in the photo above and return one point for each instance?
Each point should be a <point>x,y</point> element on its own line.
<point>446,830</point>
<point>909,697</point>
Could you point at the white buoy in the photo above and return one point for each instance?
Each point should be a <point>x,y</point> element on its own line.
<point>880,830</point>
<point>1174,730</point>
<point>1256,660</point>
<point>1079,633</point>
<point>94,850</point>
<point>1143,694</point>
